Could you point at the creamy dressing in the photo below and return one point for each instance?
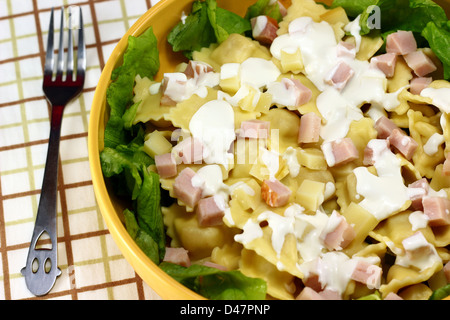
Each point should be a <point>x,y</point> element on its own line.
<point>433,143</point>
<point>271,160</point>
<point>418,220</point>
<point>213,181</point>
<point>386,193</point>
<point>419,253</point>
<point>213,125</point>
<point>180,88</point>
<point>259,72</point>
<point>290,156</point>
<point>440,97</point>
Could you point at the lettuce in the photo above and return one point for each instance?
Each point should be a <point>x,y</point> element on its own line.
<point>263,7</point>
<point>441,293</point>
<point>205,25</point>
<point>215,284</point>
<point>140,58</point>
<point>439,40</point>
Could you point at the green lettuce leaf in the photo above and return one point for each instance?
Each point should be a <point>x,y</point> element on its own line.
<point>441,293</point>
<point>215,284</point>
<point>205,25</point>
<point>140,58</point>
<point>439,40</point>
<point>263,7</point>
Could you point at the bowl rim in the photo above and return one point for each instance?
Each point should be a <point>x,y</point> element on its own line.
<point>163,284</point>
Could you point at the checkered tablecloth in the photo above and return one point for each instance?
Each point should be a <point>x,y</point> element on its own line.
<point>91,264</point>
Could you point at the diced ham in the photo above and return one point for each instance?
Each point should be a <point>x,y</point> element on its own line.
<point>189,150</point>
<point>446,166</point>
<point>311,279</point>
<point>386,63</point>
<point>416,246</point>
<point>368,274</point>
<point>437,209</point>
<point>368,159</point>
<point>309,130</point>
<point>346,50</point>
<point>210,211</point>
<point>328,294</point>
<point>338,233</point>
<point>254,129</point>
<point>172,82</point>
<point>384,127</point>
<point>178,256</point>
<point>274,193</point>
<point>301,92</point>
<point>339,75</point>
<point>309,294</point>
<point>419,83</point>
<point>196,68</point>
<point>264,29</point>
<point>420,63</point>
<point>447,271</point>
<point>393,296</point>
<point>166,165</point>
<point>188,187</point>
<point>283,9</point>
<point>401,42</point>
<point>214,265</point>
<point>403,143</point>
<point>344,151</point>
<point>417,191</point>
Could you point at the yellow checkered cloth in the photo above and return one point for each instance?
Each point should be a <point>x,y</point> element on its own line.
<point>91,264</point>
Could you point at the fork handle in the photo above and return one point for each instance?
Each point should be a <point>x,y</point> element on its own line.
<point>40,282</point>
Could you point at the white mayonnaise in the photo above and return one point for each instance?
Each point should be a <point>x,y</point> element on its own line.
<point>440,97</point>
<point>386,193</point>
<point>418,220</point>
<point>433,143</point>
<point>213,181</point>
<point>290,156</point>
<point>419,253</point>
<point>213,125</point>
<point>259,72</point>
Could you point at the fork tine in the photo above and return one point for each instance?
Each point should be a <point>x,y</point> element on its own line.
<point>49,57</point>
<point>60,61</point>
<point>70,48</point>
<point>81,54</point>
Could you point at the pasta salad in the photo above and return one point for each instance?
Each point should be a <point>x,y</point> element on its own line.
<point>300,152</point>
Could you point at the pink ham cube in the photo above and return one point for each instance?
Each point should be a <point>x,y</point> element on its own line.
<point>274,193</point>
<point>386,63</point>
<point>264,29</point>
<point>254,129</point>
<point>196,68</point>
<point>178,256</point>
<point>417,84</point>
<point>401,42</point>
<point>420,63</point>
<point>210,211</point>
<point>188,187</point>
<point>344,151</point>
<point>368,274</point>
<point>301,92</point>
<point>340,235</point>
<point>309,130</point>
<point>309,294</point>
<point>346,50</point>
<point>403,143</point>
<point>417,191</point>
<point>368,159</point>
<point>384,127</point>
<point>339,76</point>
<point>438,210</point>
<point>166,165</point>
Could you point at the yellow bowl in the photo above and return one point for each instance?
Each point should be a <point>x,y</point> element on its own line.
<point>162,17</point>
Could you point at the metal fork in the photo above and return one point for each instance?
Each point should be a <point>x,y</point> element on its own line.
<point>41,268</point>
